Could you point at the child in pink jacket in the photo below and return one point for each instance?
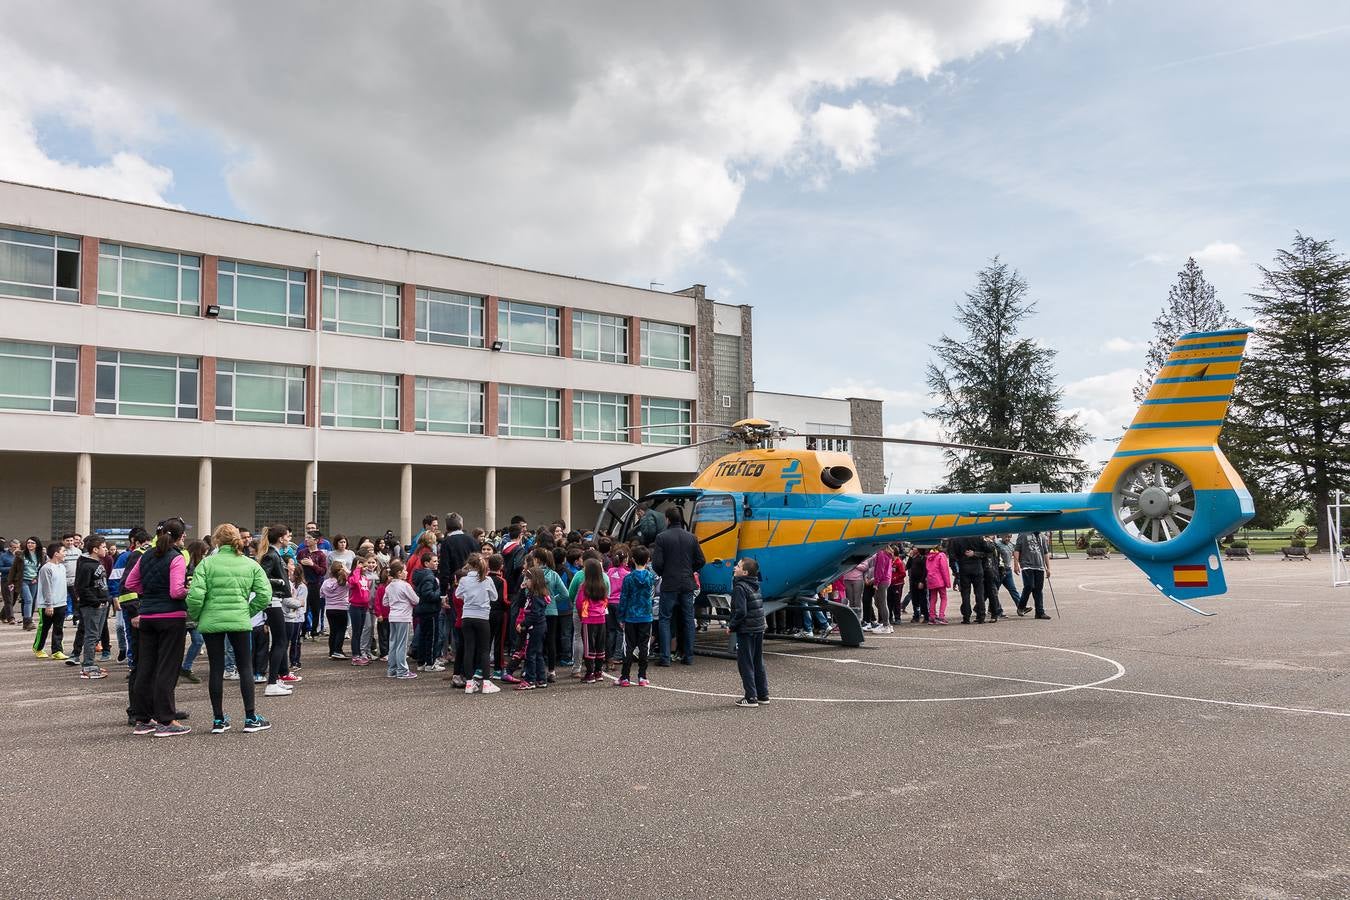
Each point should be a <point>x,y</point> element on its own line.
<point>939,578</point>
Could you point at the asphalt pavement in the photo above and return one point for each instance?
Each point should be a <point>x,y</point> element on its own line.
<point>1129,748</point>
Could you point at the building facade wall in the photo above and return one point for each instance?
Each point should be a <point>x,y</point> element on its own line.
<point>247,458</point>
<point>865,416</point>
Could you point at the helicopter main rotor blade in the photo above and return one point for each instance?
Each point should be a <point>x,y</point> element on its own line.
<point>586,476</point>
<point>941,444</point>
<point>722,425</point>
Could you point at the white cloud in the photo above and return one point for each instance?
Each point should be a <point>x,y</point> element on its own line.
<point>1157,259</point>
<point>848,133</point>
<point>1123,345</point>
<point>611,140</point>
<point>28,89</point>
<point>1220,253</point>
<point>869,389</point>
<point>1104,405</point>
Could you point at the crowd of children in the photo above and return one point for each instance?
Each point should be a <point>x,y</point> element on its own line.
<point>511,608</point>
<point>508,609</point>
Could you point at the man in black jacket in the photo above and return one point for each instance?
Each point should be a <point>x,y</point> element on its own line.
<point>676,556</point>
<point>455,549</point>
<point>969,553</point>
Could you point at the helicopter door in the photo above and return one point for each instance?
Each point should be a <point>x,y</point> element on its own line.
<point>715,521</point>
<point>616,513</point>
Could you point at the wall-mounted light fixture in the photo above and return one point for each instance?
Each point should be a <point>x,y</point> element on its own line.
<point>213,311</point>
<point>496,345</point>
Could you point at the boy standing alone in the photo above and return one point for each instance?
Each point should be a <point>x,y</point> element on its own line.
<point>747,623</point>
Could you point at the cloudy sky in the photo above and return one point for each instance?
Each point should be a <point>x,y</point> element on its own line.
<point>845,168</point>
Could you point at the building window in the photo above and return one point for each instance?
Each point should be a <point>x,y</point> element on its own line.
<point>676,414</point>
<point>448,318</point>
<point>149,280</point>
<point>369,308</point>
<point>528,328</point>
<point>599,417</point>
<point>38,377</point>
<point>666,346</point>
<point>529,412</point>
<point>260,392</point>
<point>599,337</point>
<point>262,295</point>
<point>448,406</point>
<point>39,266</point>
<point>146,384</point>
<point>830,445</point>
<point>359,400</point>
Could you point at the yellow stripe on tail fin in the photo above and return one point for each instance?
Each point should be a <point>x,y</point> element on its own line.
<point>1186,406</point>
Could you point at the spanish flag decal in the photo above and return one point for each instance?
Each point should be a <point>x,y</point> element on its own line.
<point>1190,576</point>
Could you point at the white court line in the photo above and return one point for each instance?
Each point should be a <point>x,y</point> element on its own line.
<point>1055,687</point>
<point>1063,688</point>
<point>1086,586</point>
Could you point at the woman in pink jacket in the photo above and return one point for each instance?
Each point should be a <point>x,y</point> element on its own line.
<point>939,578</point>
<point>883,571</point>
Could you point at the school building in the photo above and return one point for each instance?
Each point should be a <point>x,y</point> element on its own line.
<point>155,362</point>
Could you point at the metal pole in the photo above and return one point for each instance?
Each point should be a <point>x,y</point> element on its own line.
<point>318,379</point>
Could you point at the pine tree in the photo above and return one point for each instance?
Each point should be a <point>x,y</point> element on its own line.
<point>1192,305</point>
<point>997,389</point>
<point>1292,404</point>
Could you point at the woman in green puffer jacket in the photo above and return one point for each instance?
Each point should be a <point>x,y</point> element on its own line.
<point>228,590</point>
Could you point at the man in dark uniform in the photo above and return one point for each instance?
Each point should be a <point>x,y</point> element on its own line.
<point>969,554</point>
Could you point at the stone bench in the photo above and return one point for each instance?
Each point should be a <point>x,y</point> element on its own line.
<point>1237,553</point>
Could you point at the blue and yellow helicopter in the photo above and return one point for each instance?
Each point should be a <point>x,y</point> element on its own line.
<point>1165,497</point>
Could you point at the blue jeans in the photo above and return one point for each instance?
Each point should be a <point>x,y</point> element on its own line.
<point>442,635</point>
<point>1011,585</point>
<point>816,616</point>
<point>29,591</point>
<point>398,647</point>
<point>358,617</point>
<point>673,602</point>
<point>193,649</point>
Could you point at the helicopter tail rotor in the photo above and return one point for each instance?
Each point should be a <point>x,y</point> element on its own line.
<point>1168,494</point>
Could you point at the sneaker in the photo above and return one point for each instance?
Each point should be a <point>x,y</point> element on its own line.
<point>337,655</point>
<point>58,655</point>
<point>489,688</point>
<point>260,679</point>
<point>868,626</point>
<point>434,667</point>
<point>188,676</point>
<point>642,682</point>
<point>623,682</point>
<point>121,656</point>
<point>291,678</point>
<point>744,702</point>
<point>1022,611</point>
<point>220,726</point>
<point>406,676</point>
<point>497,674</point>
<point>277,690</point>
<point>41,654</point>
<point>884,629</point>
<point>171,730</point>
<point>92,674</point>
<point>524,686</point>
<point>455,680</point>
<point>256,723</point>
<point>471,688</point>
<point>144,728</point>
<point>763,701</point>
<point>510,679</point>
<point>105,655</point>
<point>70,661</point>
<point>232,675</point>
<point>1042,616</point>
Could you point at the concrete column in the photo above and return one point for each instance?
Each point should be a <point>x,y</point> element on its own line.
<point>565,501</point>
<point>490,498</point>
<point>84,492</point>
<point>405,505</point>
<point>210,284</point>
<point>204,488</point>
<point>311,491</point>
<point>637,485</point>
